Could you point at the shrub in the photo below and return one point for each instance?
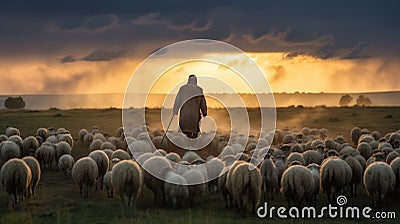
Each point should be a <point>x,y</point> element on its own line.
<point>14,103</point>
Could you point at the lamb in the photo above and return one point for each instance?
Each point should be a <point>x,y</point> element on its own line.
<point>29,146</point>
<point>82,134</point>
<point>10,131</point>
<point>175,189</point>
<point>297,185</point>
<point>335,176</point>
<point>35,171</point>
<point>357,173</point>
<point>61,149</point>
<point>355,134</point>
<point>95,145</point>
<point>364,149</point>
<point>107,182</point>
<point>88,139</point>
<point>45,155</point>
<point>15,177</point>
<point>314,168</point>
<point>84,172</point>
<point>8,150</point>
<point>295,156</point>
<point>311,156</point>
<point>155,170</point>
<point>65,164</point>
<point>269,175</point>
<point>43,133</point>
<point>67,138</point>
<point>127,181</point>
<point>379,181</point>
<point>103,164</point>
<point>197,185</point>
<point>244,184</point>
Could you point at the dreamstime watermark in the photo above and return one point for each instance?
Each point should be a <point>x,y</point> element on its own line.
<point>330,211</point>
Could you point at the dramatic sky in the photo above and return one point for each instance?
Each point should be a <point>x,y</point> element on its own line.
<point>56,47</point>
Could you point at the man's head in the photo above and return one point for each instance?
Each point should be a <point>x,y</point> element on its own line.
<point>192,79</point>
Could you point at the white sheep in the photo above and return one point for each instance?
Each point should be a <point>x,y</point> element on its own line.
<point>3,138</point>
<point>17,140</point>
<point>88,139</point>
<point>67,138</point>
<point>244,184</point>
<point>364,149</point>
<point>395,165</point>
<point>108,145</point>
<point>335,176</point>
<point>43,133</point>
<point>107,182</point>
<point>197,185</point>
<point>62,148</point>
<point>355,134</point>
<point>8,150</point>
<point>127,181</point>
<point>139,147</point>
<point>155,170</point>
<point>120,154</point>
<point>314,168</point>
<point>103,164</point>
<point>95,145</point>
<point>15,176</point>
<point>10,131</point>
<point>116,142</point>
<point>270,178</point>
<point>29,146</point>
<point>45,155</point>
<point>100,137</point>
<point>280,164</point>
<point>190,156</point>
<point>142,158</point>
<point>175,189</point>
<point>82,134</point>
<point>173,157</point>
<point>391,156</point>
<point>379,181</point>
<point>214,168</point>
<point>65,164</point>
<point>36,174</point>
<point>311,156</point>
<point>357,174</point>
<point>295,156</point>
<point>84,172</point>
<point>108,152</point>
<point>297,185</point>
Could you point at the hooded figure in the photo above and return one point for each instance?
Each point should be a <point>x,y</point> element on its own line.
<point>190,100</point>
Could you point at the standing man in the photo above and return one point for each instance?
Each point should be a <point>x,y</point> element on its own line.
<point>190,100</point>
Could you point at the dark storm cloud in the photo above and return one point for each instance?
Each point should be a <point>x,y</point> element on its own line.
<point>324,29</point>
<point>99,55</point>
<point>68,59</point>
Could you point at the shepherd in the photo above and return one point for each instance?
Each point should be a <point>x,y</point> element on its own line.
<point>189,102</point>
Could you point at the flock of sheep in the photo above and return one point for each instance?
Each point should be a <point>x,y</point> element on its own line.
<point>299,164</point>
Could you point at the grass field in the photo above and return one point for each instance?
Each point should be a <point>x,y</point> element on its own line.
<point>58,200</point>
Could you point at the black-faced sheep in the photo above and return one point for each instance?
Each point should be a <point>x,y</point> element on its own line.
<point>84,173</point>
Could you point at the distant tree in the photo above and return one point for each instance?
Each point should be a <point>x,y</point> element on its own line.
<point>345,100</point>
<point>363,101</point>
<point>14,103</point>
